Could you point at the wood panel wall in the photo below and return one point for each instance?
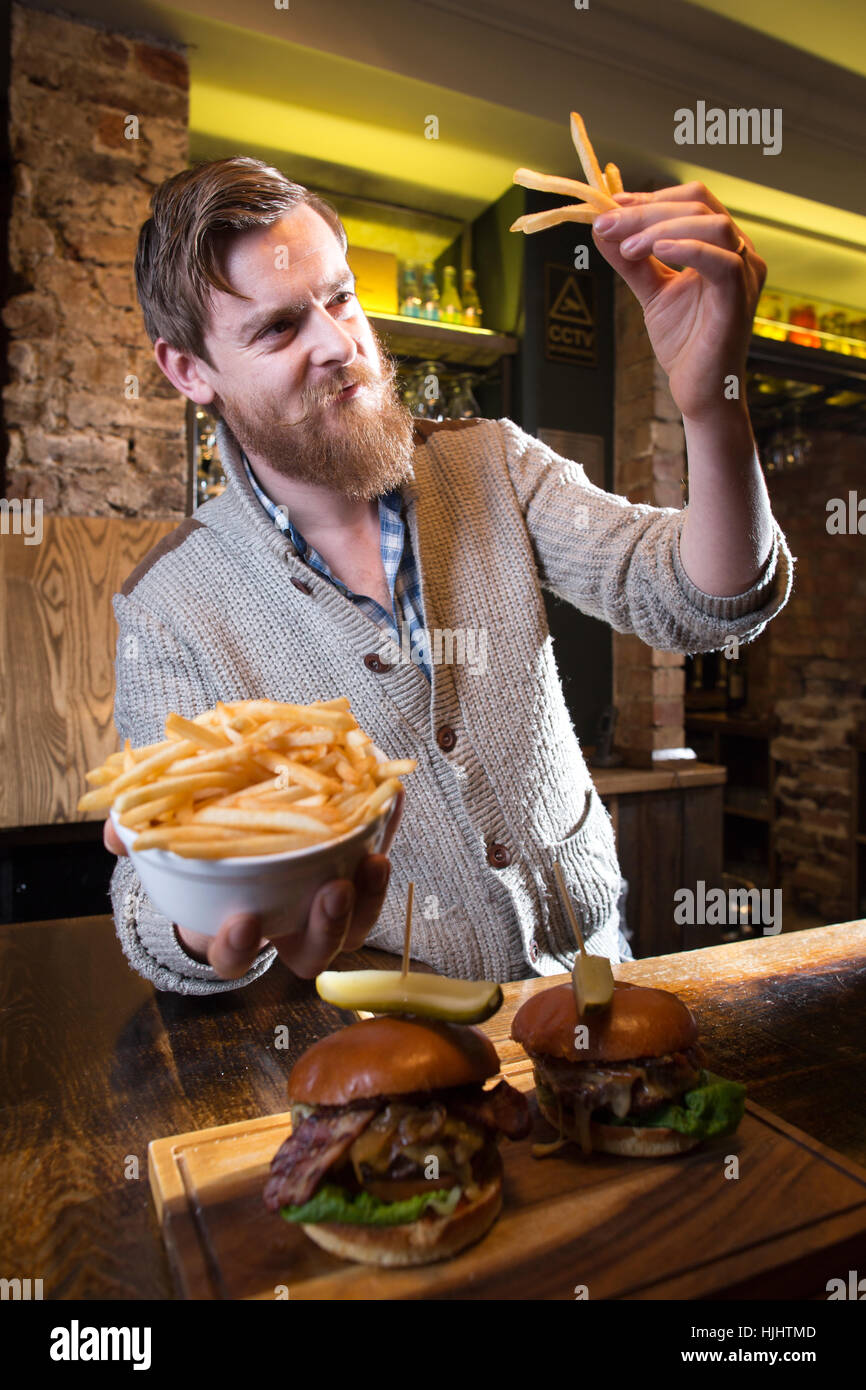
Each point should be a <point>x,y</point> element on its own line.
<point>57,648</point>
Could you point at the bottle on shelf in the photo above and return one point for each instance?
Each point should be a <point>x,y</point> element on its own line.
<point>833,322</point>
<point>450,305</point>
<point>772,310</point>
<point>410,293</point>
<point>804,316</point>
<point>472,310</point>
<point>430,304</point>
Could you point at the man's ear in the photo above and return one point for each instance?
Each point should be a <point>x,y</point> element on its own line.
<point>183,370</point>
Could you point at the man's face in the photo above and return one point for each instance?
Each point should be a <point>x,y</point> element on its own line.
<point>300,377</point>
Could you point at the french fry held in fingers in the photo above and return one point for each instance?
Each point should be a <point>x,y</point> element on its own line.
<point>586,154</point>
<point>539,221</point>
<point>613,179</point>
<point>551,183</point>
<point>248,777</point>
<point>596,192</point>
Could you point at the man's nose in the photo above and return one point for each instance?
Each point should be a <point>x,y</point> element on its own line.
<point>329,340</point>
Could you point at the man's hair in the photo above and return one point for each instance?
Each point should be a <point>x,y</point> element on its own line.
<point>176,265</point>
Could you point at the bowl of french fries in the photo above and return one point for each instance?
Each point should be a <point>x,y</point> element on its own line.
<point>248,807</point>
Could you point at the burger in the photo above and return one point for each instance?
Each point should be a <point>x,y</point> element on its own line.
<point>628,1079</point>
<point>393,1158</point>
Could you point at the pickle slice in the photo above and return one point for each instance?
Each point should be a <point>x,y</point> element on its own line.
<point>427,996</point>
<point>593,983</point>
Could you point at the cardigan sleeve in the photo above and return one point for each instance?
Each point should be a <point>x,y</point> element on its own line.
<point>155,674</point>
<point>620,561</point>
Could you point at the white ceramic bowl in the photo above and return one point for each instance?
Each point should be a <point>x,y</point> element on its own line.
<point>199,894</point>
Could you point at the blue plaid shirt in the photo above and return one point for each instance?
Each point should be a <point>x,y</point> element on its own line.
<point>401,571</point>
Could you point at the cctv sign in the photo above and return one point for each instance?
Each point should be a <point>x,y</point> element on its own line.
<point>569,316</point>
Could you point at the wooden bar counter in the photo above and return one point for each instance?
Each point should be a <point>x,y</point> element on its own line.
<point>96,1063</point>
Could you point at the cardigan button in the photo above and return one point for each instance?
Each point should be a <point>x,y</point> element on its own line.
<point>374,662</point>
<point>446,738</point>
<point>498,857</point>
<point>299,584</point>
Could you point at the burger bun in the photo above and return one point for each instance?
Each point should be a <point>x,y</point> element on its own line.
<point>415,1242</point>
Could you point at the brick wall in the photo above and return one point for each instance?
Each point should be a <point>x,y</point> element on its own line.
<point>649,464</point>
<point>809,669</point>
<point>79,436</point>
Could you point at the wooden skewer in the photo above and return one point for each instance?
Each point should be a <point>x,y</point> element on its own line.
<point>566,900</point>
<point>407,935</point>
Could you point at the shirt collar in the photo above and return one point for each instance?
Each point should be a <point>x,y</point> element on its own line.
<point>393,500</point>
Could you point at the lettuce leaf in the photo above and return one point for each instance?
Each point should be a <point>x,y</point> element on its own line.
<point>714,1107</point>
<point>333,1203</point>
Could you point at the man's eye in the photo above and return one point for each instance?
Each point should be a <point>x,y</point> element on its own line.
<point>279,326</point>
<point>343,297</point>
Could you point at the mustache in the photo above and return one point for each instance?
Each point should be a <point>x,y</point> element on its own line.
<point>320,395</point>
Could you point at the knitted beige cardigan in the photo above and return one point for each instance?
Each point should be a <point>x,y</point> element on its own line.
<point>495,516</point>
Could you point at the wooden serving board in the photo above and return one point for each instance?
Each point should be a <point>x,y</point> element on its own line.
<point>674,1228</point>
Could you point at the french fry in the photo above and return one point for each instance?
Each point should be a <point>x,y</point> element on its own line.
<point>299,772</point>
<point>161,836</point>
<point>199,734</point>
<point>383,793</point>
<point>149,810</point>
<point>613,179</point>
<point>251,845</point>
<point>136,796</point>
<point>258,820</point>
<point>371,804</point>
<point>103,797</point>
<point>585,152</point>
<point>100,776</point>
<point>221,760</point>
<point>598,196</point>
<point>397,767</point>
<point>310,738</point>
<point>540,221</point>
<point>344,769</point>
<point>269,709</point>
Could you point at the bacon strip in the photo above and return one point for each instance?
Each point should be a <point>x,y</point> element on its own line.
<point>502,1108</point>
<point>300,1162</point>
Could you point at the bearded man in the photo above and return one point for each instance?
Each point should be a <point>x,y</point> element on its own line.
<point>344,523</point>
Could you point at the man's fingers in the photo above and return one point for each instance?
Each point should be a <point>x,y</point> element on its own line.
<point>716,231</point>
<point>312,949</point>
<point>236,945</point>
<point>693,192</point>
<point>371,885</point>
<point>112,840</point>
<point>644,278</point>
<point>715,265</point>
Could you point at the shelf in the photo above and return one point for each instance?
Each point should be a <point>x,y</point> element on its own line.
<point>444,342</point>
<point>806,363</point>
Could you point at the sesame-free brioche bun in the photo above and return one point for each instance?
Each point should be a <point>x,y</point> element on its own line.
<point>391,1056</point>
<point>416,1242</point>
<point>639,1022</point>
